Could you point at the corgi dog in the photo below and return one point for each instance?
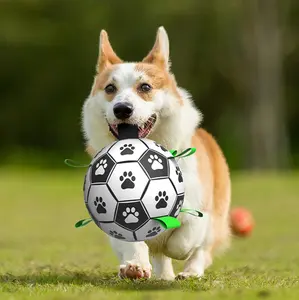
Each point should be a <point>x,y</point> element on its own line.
<point>146,94</point>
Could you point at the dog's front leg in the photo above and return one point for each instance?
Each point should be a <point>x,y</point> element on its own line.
<point>134,259</point>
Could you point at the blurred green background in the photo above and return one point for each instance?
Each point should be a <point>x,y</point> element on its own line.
<point>238,58</point>
<point>240,61</point>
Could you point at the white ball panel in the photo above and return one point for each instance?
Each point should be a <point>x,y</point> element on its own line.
<point>150,230</point>
<point>101,152</point>
<point>117,232</point>
<point>159,198</point>
<point>128,181</point>
<point>127,150</point>
<point>101,203</point>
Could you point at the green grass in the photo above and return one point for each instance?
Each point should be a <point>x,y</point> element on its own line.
<point>42,255</point>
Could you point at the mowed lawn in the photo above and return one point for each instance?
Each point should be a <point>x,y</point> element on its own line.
<point>42,255</point>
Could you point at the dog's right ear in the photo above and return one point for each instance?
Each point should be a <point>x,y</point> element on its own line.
<point>107,56</point>
<point>159,55</point>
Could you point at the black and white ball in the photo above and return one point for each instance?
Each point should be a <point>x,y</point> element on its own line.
<point>130,182</point>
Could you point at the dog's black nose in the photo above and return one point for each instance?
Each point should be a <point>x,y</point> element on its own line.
<point>123,110</point>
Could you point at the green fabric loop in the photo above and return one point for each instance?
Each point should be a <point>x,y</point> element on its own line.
<point>192,212</point>
<point>83,222</point>
<point>74,164</point>
<point>173,152</point>
<point>166,222</point>
<point>185,153</point>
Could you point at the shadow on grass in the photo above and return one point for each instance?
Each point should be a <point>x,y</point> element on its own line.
<point>104,280</point>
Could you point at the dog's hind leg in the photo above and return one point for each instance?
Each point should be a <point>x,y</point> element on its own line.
<point>163,267</point>
<point>195,265</point>
<point>189,243</point>
<point>134,259</point>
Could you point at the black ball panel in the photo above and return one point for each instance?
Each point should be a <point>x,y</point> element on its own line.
<point>155,164</point>
<point>102,168</point>
<point>177,206</point>
<point>131,215</point>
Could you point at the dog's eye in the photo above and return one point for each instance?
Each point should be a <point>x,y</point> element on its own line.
<point>110,89</point>
<point>145,88</point>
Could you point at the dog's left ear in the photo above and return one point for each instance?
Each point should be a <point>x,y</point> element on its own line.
<point>159,55</point>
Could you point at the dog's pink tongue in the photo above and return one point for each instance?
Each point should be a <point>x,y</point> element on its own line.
<point>143,132</point>
<point>127,131</point>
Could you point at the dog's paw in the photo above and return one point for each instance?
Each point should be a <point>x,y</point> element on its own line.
<point>167,276</point>
<point>135,271</point>
<point>186,275</point>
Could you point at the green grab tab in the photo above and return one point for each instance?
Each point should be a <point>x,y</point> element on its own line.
<point>168,222</point>
<point>83,222</point>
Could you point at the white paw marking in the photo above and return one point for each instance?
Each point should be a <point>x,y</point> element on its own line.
<point>156,162</point>
<point>101,167</point>
<point>131,215</point>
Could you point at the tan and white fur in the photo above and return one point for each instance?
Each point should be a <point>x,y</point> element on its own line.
<point>206,174</point>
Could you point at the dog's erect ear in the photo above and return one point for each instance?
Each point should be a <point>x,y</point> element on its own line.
<point>106,54</point>
<point>159,55</point>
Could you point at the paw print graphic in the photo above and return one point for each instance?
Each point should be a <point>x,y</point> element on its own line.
<point>127,180</point>
<point>153,231</point>
<point>116,235</point>
<point>127,149</point>
<point>156,162</point>
<point>179,174</point>
<point>178,208</point>
<point>101,167</point>
<point>131,215</point>
<point>100,205</point>
<point>161,200</point>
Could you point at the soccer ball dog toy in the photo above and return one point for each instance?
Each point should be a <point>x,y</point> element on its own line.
<point>131,186</point>
<point>134,190</point>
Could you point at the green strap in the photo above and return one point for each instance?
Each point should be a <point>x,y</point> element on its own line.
<point>74,164</point>
<point>167,222</point>
<point>83,222</point>
<point>173,152</point>
<point>192,212</point>
<point>185,153</point>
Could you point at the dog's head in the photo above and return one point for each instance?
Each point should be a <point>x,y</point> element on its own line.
<point>142,93</point>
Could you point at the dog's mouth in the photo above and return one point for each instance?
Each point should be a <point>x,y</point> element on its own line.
<point>143,131</point>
